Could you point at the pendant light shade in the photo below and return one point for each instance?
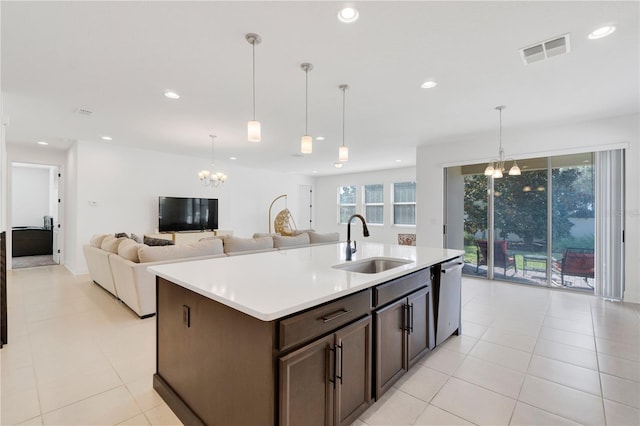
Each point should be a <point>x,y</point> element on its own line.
<point>343,152</point>
<point>495,167</point>
<point>253,126</point>
<point>306,142</point>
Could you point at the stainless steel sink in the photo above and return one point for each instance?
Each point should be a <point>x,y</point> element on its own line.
<point>372,265</point>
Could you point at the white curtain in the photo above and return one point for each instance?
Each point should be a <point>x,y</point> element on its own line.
<point>609,265</point>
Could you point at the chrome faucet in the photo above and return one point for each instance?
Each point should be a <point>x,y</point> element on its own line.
<point>365,232</point>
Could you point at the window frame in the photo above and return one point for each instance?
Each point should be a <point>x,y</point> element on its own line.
<point>365,204</point>
<point>340,205</point>
<point>395,203</point>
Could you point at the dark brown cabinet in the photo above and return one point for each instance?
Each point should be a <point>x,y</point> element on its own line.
<point>328,382</point>
<point>404,333</point>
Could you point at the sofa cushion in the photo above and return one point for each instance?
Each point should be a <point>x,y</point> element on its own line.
<point>302,231</point>
<point>128,249</point>
<point>96,240</point>
<point>150,241</point>
<point>236,244</point>
<point>181,251</point>
<point>111,243</point>
<point>298,240</point>
<point>265,234</point>
<point>316,238</point>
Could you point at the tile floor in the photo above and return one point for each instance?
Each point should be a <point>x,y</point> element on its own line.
<point>527,356</point>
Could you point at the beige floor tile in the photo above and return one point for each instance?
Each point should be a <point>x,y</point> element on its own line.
<point>477,317</point>
<point>526,415</point>
<point>18,379</point>
<point>36,421</point>
<point>473,403</point>
<point>568,338</point>
<point>144,394</point>
<point>566,353</point>
<point>462,344</point>
<point>73,388</point>
<point>19,406</point>
<point>138,420</point>
<point>501,355</point>
<point>358,422</point>
<point>473,329</point>
<point>111,407</point>
<point>619,367</point>
<point>563,401</point>
<point>569,325</point>
<point>626,350</point>
<point>620,414</point>
<point>490,376</point>
<point>507,338</point>
<point>443,360</point>
<point>394,408</point>
<point>621,390</point>
<point>422,383</point>
<point>57,364</point>
<point>434,416</point>
<point>569,375</point>
<point>162,416</point>
<point>133,369</point>
<point>526,328</point>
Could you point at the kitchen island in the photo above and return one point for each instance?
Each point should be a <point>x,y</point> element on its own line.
<point>291,337</point>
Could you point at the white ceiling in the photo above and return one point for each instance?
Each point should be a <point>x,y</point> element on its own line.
<point>117,59</point>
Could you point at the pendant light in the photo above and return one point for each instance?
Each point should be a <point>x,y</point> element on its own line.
<point>343,152</point>
<point>495,167</point>
<point>212,178</point>
<point>253,126</point>
<point>306,142</point>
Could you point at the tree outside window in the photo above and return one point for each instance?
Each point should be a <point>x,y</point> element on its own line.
<point>346,203</point>
<point>374,203</point>
<point>404,203</point>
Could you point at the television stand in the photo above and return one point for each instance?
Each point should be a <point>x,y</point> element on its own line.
<point>186,237</point>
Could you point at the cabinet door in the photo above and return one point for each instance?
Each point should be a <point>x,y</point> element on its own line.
<point>353,371</point>
<point>390,345</point>
<point>421,335</point>
<point>306,388</point>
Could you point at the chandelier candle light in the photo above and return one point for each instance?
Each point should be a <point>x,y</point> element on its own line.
<point>495,167</point>
<point>306,142</point>
<point>253,126</point>
<point>343,152</point>
<point>208,178</point>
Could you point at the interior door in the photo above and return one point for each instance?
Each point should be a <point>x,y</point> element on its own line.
<point>57,199</point>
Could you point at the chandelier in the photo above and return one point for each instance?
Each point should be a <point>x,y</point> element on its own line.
<point>208,178</point>
<point>495,167</point>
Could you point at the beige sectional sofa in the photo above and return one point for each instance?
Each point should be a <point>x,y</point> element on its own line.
<point>119,265</point>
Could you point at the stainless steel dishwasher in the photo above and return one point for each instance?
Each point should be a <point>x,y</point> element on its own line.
<point>448,299</point>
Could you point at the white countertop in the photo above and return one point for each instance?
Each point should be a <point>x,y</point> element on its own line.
<point>274,284</point>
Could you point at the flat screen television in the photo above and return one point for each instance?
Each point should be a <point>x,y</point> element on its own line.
<point>187,214</point>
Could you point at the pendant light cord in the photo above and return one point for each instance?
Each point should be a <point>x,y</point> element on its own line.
<point>253,47</point>
<point>306,101</point>
<point>343,113</point>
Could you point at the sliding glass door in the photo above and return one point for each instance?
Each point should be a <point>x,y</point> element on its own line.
<point>536,228</point>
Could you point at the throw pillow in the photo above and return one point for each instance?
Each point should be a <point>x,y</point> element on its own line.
<point>284,242</point>
<point>150,241</point>
<point>111,243</point>
<point>330,237</point>
<point>121,234</point>
<point>136,238</point>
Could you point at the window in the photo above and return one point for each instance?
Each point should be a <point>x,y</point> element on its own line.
<point>404,203</point>
<point>374,203</point>
<point>346,203</point>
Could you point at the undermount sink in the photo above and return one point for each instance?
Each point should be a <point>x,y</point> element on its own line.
<point>372,265</point>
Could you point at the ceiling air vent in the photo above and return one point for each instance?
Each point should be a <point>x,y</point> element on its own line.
<point>546,49</point>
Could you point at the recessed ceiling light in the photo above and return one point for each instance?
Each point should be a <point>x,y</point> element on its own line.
<point>348,14</point>
<point>337,165</point>
<point>319,138</point>
<point>602,32</point>
<point>233,158</point>
<point>428,84</point>
<point>42,143</point>
<point>398,161</point>
<point>171,95</point>
<point>106,138</point>
<point>314,172</point>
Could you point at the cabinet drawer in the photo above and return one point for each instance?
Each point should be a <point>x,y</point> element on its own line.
<point>324,319</point>
<point>388,292</point>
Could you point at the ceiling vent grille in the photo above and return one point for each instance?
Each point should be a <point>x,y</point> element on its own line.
<point>83,111</point>
<point>546,49</point>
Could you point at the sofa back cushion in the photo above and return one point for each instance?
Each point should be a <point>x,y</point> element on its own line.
<point>236,244</point>
<point>150,241</point>
<point>316,238</point>
<point>128,249</point>
<point>111,243</point>
<point>265,234</point>
<point>181,251</point>
<point>284,242</point>
<point>96,240</point>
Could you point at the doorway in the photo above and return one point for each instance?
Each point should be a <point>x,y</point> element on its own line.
<point>34,216</point>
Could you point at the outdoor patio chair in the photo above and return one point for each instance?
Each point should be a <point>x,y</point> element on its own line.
<point>502,259</point>
<point>577,262</point>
